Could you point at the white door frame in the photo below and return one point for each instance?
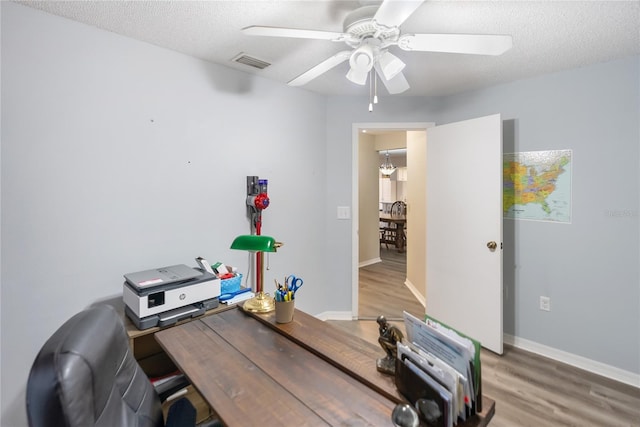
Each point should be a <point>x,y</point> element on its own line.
<point>355,131</point>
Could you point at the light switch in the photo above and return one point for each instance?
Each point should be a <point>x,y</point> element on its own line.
<point>344,212</point>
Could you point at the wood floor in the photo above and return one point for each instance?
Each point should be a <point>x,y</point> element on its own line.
<point>381,288</point>
<point>529,390</point>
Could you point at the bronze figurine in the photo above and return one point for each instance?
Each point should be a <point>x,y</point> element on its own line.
<point>389,337</point>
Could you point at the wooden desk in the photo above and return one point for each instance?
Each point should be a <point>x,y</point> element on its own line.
<point>253,371</point>
<point>400,221</point>
<point>155,362</point>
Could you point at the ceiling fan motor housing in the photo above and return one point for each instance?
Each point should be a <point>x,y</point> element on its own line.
<point>360,26</point>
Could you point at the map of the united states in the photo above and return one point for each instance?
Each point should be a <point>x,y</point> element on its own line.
<point>532,186</point>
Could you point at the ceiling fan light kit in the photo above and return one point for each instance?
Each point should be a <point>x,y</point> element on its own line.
<point>361,62</point>
<point>390,65</point>
<point>357,76</point>
<point>370,31</point>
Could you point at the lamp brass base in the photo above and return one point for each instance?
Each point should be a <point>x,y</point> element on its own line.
<point>261,303</point>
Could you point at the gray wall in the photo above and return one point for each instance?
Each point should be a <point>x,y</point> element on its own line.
<point>589,268</point>
<point>118,156</point>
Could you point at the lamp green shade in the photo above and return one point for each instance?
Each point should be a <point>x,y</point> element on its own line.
<point>254,243</point>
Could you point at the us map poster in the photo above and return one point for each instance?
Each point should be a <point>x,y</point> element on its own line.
<point>537,185</point>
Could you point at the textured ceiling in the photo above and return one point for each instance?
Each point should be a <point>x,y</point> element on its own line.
<point>547,36</point>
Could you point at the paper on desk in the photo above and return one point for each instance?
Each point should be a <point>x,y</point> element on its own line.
<point>470,343</point>
<point>239,298</point>
<point>440,345</point>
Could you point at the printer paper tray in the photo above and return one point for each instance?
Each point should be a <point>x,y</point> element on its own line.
<point>171,317</point>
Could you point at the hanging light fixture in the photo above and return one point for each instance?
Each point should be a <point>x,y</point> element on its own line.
<point>387,168</point>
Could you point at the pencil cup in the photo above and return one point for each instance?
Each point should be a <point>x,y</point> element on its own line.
<point>284,311</point>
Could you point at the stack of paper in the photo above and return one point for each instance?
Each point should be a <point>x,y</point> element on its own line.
<point>438,369</point>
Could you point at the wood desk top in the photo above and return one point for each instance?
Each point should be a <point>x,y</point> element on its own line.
<point>253,371</point>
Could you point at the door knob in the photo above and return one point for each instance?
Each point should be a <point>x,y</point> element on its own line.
<point>492,245</point>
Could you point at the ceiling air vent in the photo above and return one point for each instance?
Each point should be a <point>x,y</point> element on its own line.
<point>245,59</point>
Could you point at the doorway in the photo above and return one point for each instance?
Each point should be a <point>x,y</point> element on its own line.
<point>474,148</point>
<point>382,257</point>
<point>409,292</point>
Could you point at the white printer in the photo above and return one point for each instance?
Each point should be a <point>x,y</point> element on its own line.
<point>162,296</point>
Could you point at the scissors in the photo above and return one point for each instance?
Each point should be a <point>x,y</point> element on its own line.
<point>229,295</point>
<point>295,283</point>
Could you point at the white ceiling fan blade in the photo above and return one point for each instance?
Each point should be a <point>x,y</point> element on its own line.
<point>397,84</point>
<point>476,44</point>
<point>392,13</point>
<point>321,68</point>
<point>256,30</point>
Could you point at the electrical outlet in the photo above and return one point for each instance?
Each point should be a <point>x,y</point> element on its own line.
<point>545,303</point>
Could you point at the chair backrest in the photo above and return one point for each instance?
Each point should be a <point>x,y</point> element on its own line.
<point>85,375</point>
<point>398,208</point>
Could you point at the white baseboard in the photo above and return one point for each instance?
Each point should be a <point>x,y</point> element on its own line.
<point>592,366</point>
<point>335,315</point>
<point>421,298</point>
<point>369,262</point>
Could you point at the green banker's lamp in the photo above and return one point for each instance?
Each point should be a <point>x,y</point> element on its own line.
<point>262,302</point>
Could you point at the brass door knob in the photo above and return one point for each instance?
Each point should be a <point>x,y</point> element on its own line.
<point>492,245</point>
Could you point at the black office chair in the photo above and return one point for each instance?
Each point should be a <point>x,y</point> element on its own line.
<point>85,375</point>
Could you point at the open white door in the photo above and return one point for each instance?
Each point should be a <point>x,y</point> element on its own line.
<point>464,215</point>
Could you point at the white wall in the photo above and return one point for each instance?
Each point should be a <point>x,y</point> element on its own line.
<point>590,267</point>
<point>119,156</point>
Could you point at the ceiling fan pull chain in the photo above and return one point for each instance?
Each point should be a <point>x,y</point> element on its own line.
<point>375,86</point>
<point>371,90</point>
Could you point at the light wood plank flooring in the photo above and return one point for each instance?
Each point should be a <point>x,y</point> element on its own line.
<point>381,288</point>
<point>529,390</point>
<point>533,391</point>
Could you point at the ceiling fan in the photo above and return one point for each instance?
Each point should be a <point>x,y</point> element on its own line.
<point>370,31</point>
